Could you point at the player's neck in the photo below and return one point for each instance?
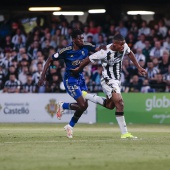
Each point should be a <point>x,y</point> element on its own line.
<point>112,48</point>
<point>75,47</point>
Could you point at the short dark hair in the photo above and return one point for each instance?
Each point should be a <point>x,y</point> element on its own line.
<point>75,33</point>
<point>118,37</point>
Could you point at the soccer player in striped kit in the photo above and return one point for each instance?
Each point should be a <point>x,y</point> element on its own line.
<point>111,60</point>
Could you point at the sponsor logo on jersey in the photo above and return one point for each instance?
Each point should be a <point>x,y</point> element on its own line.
<point>72,56</point>
<point>76,62</point>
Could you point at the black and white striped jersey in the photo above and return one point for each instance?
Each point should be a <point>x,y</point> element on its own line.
<point>12,84</point>
<point>111,61</point>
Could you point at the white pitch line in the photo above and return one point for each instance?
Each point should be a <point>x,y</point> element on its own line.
<point>68,141</point>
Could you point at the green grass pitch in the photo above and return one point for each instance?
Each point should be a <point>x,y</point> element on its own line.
<point>94,147</point>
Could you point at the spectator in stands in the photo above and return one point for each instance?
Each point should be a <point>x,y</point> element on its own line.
<point>146,51</point>
<point>163,66</point>
<point>156,51</point>
<point>90,40</point>
<point>54,84</point>
<point>64,43</point>
<point>110,34</point>
<point>76,22</point>
<point>36,76</point>
<point>135,85</point>
<point>152,71</point>
<point>22,77</point>
<point>128,70</point>
<point>95,77</point>
<point>141,42</point>
<point>7,61</point>
<point>166,43</point>
<point>7,45</point>
<point>12,85</point>
<point>92,27</point>
<point>68,36</point>
<point>2,77</point>
<point>162,28</point>
<point>46,48</point>
<point>166,79</point>
<point>48,39</point>
<point>18,37</point>
<point>29,86</point>
<point>98,34</point>
<point>20,43</point>
<point>122,29</point>
<point>146,87</point>
<point>64,27</point>
<point>134,29</point>
<point>101,40</point>
<point>140,57</point>
<point>57,37</point>
<point>158,84</point>
<point>130,40</point>
<point>86,32</point>
<point>144,29</point>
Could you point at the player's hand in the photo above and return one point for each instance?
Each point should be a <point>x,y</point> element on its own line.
<point>41,82</point>
<point>102,47</point>
<point>142,71</point>
<point>75,71</point>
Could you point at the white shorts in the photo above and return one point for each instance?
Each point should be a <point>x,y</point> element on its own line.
<point>111,86</point>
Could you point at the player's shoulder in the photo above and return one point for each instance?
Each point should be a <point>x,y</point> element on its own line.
<point>88,44</point>
<point>108,46</point>
<point>126,45</point>
<point>65,49</point>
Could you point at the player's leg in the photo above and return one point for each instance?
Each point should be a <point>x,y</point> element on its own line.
<point>103,101</point>
<point>82,103</point>
<point>119,104</point>
<point>69,127</point>
<point>74,91</point>
<point>112,90</point>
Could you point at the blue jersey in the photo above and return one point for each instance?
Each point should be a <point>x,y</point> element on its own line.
<point>72,59</point>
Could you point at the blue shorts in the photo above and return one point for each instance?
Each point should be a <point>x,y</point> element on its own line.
<point>75,85</point>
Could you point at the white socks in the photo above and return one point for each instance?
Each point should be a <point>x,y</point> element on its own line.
<point>122,124</point>
<point>95,99</point>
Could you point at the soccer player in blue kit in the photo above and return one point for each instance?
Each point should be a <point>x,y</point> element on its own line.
<point>72,55</point>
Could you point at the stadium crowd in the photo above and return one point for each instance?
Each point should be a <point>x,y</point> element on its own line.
<point>23,53</point>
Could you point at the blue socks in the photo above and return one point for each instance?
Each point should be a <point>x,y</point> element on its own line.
<point>73,121</point>
<point>66,105</point>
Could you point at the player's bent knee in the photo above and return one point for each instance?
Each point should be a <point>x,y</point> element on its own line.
<point>83,106</point>
<point>119,104</point>
<point>111,107</point>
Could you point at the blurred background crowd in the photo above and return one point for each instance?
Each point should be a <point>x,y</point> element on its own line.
<point>25,48</point>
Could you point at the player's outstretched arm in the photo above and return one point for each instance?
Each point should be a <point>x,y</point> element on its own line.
<point>42,78</point>
<point>84,63</point>
<point>141,70</point>
<point>101,47</point>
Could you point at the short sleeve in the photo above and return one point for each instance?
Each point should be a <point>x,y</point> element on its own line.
<point>97,56</point>
<point>127,49</point>
<point>89,46</point>
<point>58,56</point>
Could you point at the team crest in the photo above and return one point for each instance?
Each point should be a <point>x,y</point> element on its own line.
<point>51,107</point>
<point>83,53</point>
<point>72,56</point>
